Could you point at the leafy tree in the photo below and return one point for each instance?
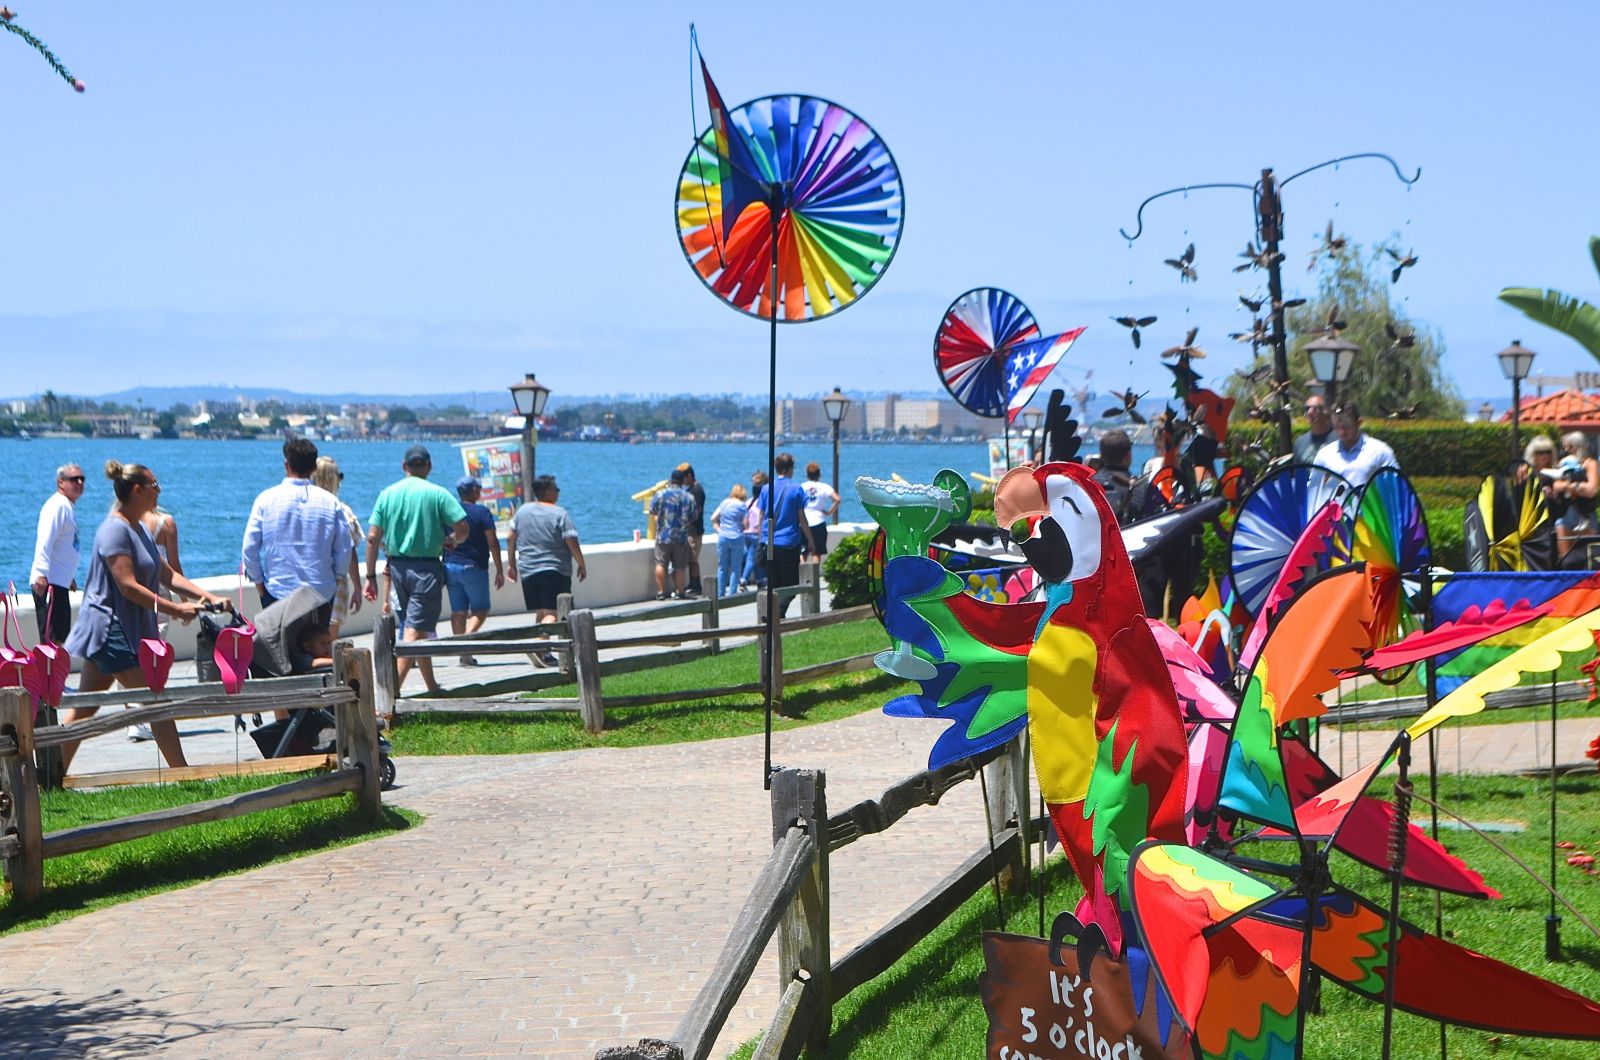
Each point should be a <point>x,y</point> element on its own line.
<point>1386,377</point>
<point>402,414</point>
<point>569,419</point>
<point>1566,313</point>
<point>167,424</point>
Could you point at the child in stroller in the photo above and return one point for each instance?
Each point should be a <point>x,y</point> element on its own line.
<point>292,637</point>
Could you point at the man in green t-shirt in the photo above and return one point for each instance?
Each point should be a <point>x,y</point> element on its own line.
<point>414,517</point>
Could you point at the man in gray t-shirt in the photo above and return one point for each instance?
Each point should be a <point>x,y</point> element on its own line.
<point>544,545</point>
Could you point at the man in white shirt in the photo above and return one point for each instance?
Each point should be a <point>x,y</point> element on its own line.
<point>1353,454</point>
<point>296,534</point>
<point>55,556</point>
<point>822,501</point>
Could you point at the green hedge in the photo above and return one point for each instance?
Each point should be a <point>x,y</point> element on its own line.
<point>1425,447</point>
<point>848,572</point>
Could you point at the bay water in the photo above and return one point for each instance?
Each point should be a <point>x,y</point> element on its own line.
<point>209,485</point>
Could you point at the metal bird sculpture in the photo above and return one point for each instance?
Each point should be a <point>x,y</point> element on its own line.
<point>1255,376</point>
<point>1184,263</point>
<point>1187,350</point>
<point>1254,258</point>
<point>1133,324</point>
<point>1333,324</point>
<point>1129,406</point>
<point>1331,246</point>
<point>1406,412</point>
<point>1402,262</point>
<point>1400,340</point>
<point>1258,335</point>
<point>1293,303</point>
<point>1252,304</point>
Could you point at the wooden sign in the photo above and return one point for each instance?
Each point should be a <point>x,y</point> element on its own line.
<point>1043,1006</point>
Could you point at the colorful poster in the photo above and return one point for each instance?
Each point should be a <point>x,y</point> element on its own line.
<point>997,459</point>
<point>497,463</point>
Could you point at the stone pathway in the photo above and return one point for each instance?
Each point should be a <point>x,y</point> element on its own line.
<point>549,904</point>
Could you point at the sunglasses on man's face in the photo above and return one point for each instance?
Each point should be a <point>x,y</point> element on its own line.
<point>74,478</point>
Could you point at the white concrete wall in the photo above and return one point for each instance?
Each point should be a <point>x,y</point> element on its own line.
<point>619,573</point>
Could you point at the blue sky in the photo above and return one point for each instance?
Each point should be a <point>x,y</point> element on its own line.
<point>401,197</point>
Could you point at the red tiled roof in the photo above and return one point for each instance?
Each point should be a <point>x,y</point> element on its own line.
<point>1569,408</point>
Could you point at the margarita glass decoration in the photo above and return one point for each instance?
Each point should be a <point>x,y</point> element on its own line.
<point>911,515</point>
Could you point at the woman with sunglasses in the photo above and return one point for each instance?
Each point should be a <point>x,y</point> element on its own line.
<point>122,599</point>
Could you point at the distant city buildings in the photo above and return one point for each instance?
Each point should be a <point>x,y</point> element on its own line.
<point>890,414</point>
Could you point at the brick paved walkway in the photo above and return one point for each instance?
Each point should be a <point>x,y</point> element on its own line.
<point>550,904</point>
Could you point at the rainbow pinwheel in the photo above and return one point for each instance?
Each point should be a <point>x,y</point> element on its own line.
<point>789,207</point>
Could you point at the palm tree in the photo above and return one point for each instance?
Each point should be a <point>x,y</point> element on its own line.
<point>1568,314</point>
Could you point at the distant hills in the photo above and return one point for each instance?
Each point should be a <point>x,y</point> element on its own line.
<point>492,399</point>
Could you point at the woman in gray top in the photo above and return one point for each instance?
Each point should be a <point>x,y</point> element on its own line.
<point>121,599</point>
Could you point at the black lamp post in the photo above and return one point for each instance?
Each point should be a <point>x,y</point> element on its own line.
<point>1516,361</point>
<point>529,397</point>
<point>835,405</point>
<point>1032,417</point>
<point>1331,358</point>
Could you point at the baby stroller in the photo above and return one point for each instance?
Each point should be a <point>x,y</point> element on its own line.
<point>291,634</point>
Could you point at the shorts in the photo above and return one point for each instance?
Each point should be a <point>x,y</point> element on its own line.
<point>819,537</point>
<point>468,586</point>
<point>673,554</point>
<point>540,589</point>
<point>418,591</point>
<point>341,601</point>
<point>1575,521</point>
<point>116,654</point>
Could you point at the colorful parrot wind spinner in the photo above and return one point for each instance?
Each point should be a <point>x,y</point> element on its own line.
<point>1155,775</point>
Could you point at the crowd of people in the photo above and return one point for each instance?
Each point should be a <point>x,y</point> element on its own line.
<point>302,541</point>
<point>799,514</point>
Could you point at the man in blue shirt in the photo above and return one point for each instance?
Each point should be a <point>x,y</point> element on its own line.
<point>784,503</point>
<point>296,535</point>
<point>466,566</point>
<point>675,513</point>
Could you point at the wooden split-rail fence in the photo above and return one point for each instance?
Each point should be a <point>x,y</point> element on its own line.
<point>791,896</point>
<point>575,641</point>
<point>24,750</point>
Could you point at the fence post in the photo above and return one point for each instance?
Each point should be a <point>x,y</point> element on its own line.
<point>19,799</point>
<point>586,659</point>
<point>811,586</point>
<point>709,618</point>
<point>799,796</point>
<point>563,609</point>
<point>358,723</point>
<point>47,760</point>
<point>1001,777</point>
<point>385,666</point>
<point>767,612</point>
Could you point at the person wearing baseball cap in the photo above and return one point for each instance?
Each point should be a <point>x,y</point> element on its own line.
<point>466,566</point>
<point>410,521</point>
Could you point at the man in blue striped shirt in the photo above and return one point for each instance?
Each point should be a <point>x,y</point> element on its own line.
<point>296,535</point>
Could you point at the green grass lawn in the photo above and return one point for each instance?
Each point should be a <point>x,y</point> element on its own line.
<point>927,1004</point>
<point>692,718</point>
<point>111,875</point>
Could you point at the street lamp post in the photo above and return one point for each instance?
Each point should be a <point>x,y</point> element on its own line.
<point>835,405</point>
<point>529,396</point>
<point>1331,358</point>
<point>1032,417</point>
<point>1516,360</point>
